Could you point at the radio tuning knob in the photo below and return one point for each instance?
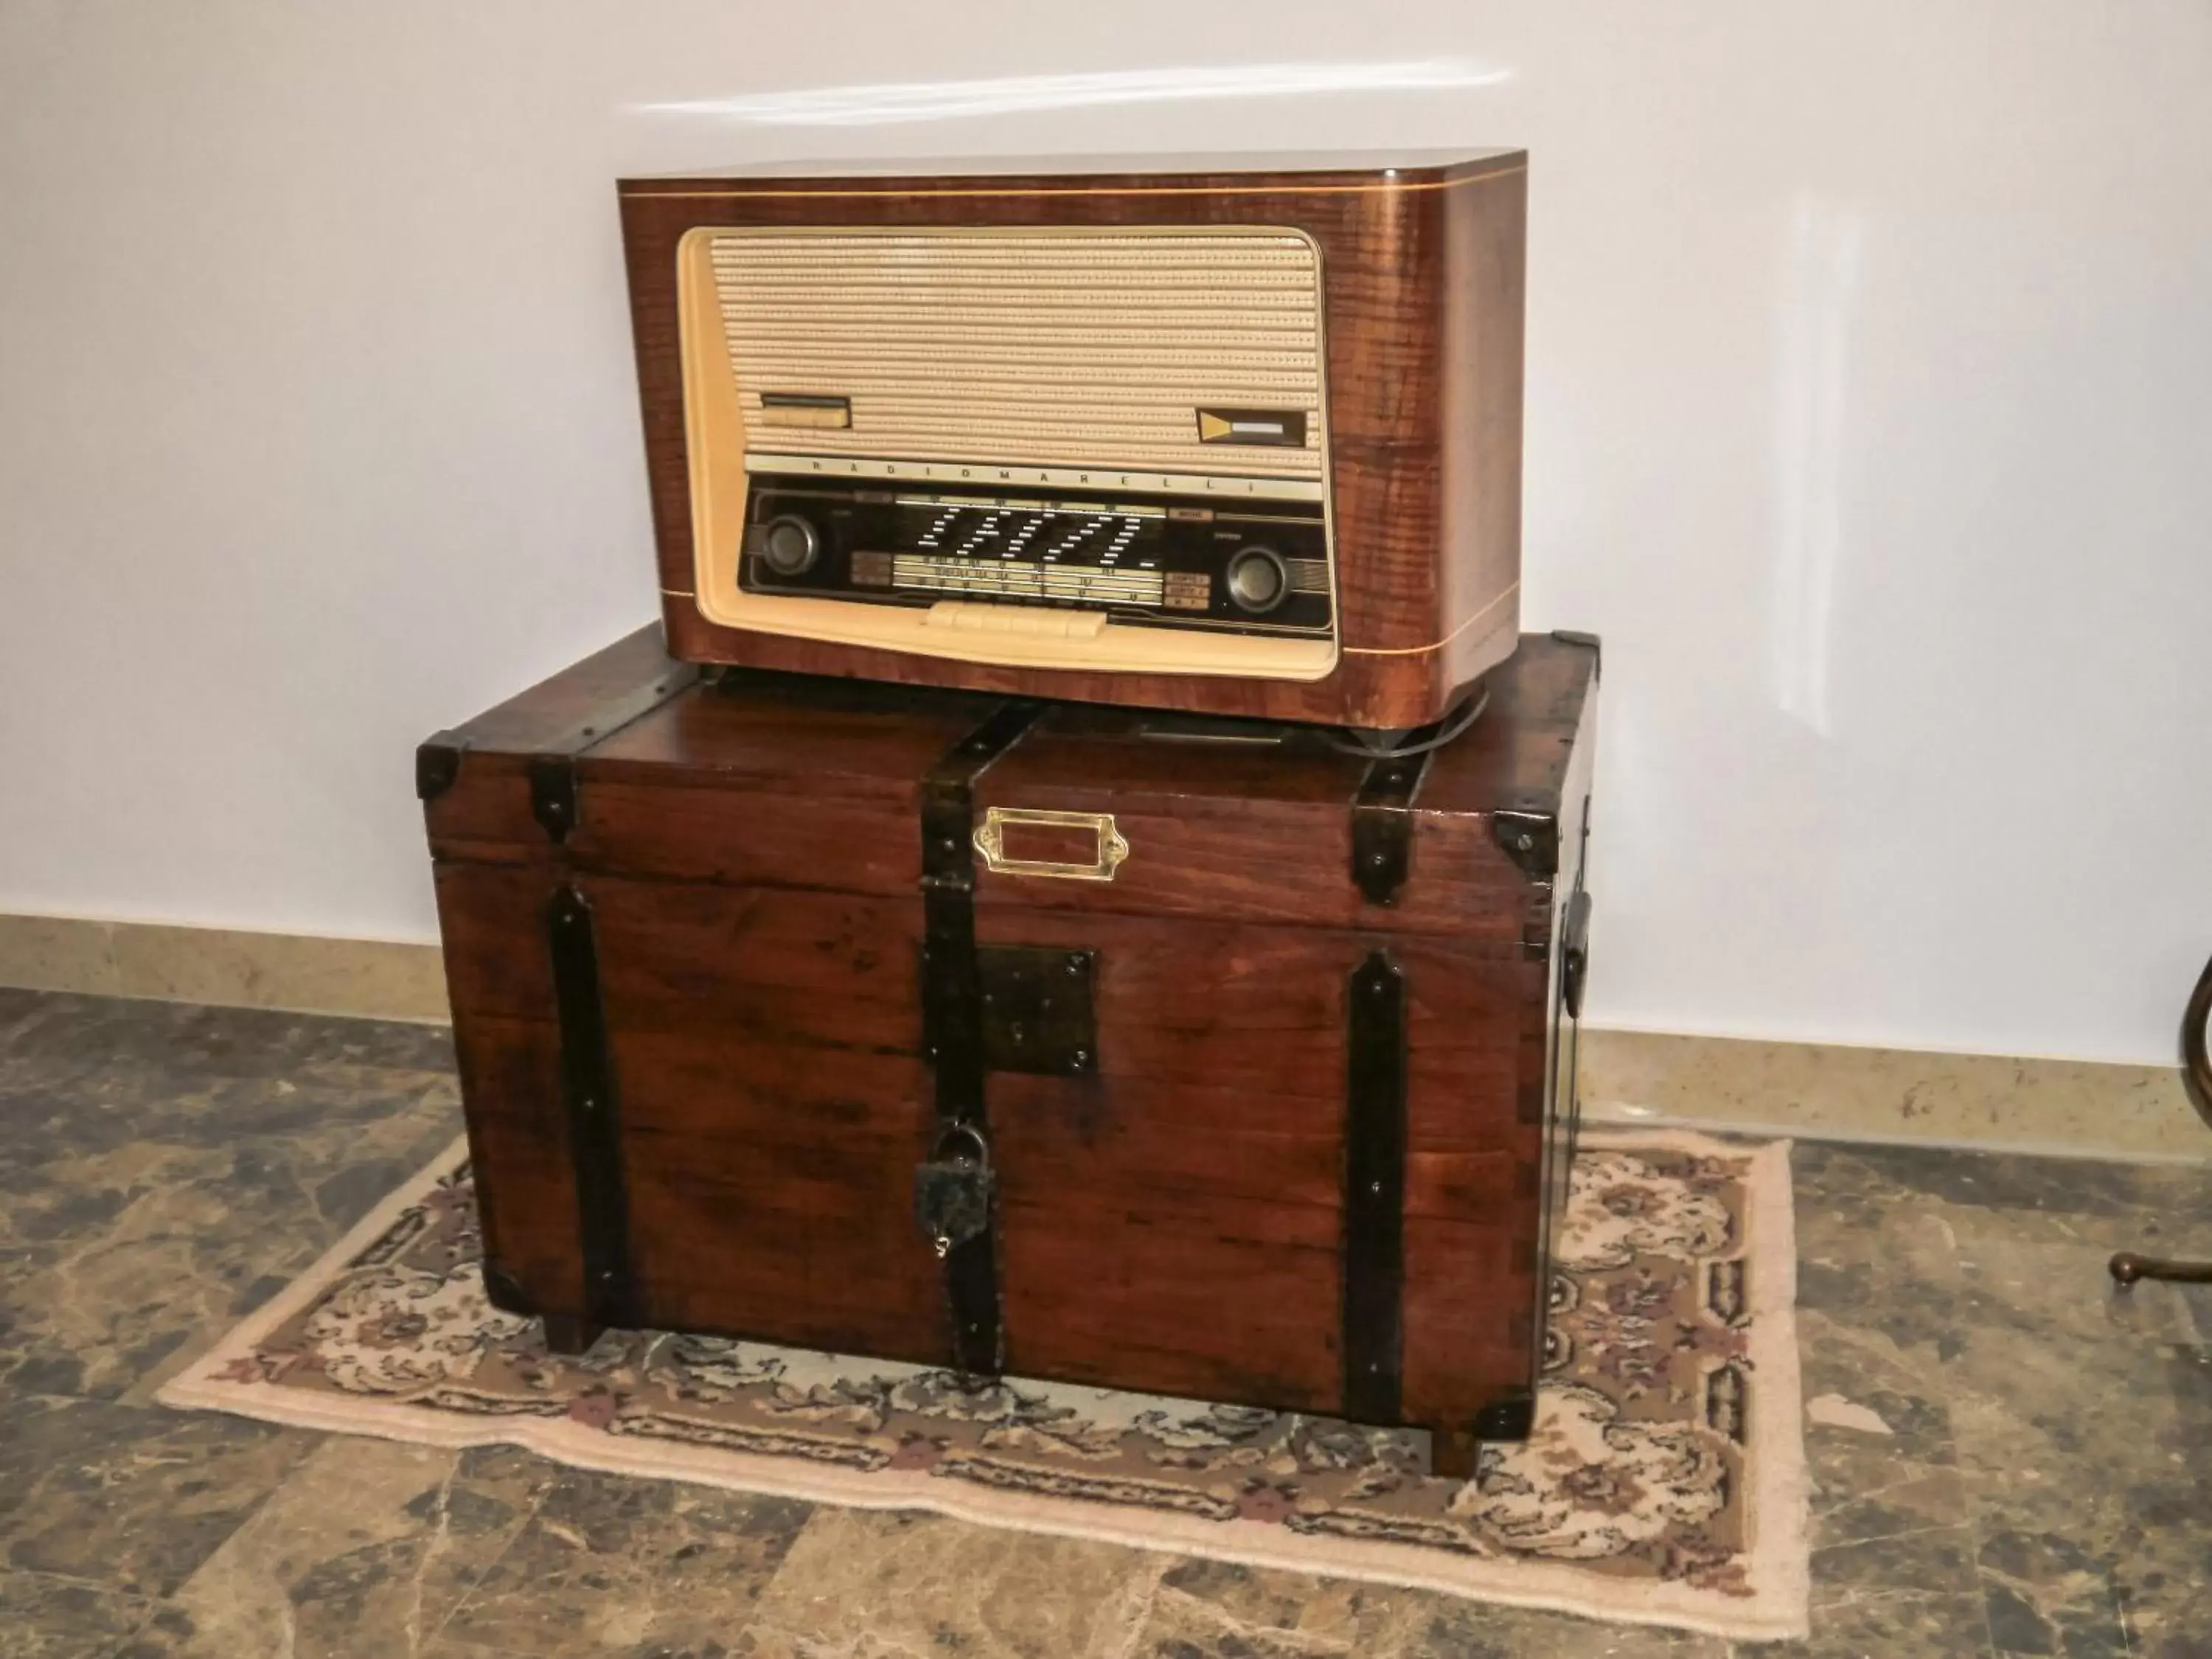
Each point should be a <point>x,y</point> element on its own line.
<point>789,545</point>
<point>1257,579</point>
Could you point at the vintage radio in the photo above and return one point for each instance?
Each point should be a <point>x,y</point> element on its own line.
<point>1238,438</point>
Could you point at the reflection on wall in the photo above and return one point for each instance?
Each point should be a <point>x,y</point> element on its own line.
<point>1813,359</point>
<point>945,100</point>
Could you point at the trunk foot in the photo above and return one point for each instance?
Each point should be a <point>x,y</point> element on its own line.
<point>1453,1454</point>
<point>570,1334</point>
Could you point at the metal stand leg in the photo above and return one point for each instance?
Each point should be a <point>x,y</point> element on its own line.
<point>2197,1077</point>
<point>2127,1267</point>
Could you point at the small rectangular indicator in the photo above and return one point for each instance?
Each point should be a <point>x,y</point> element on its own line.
<point>811,408</point>
<point>1281,428</point>
<point>1188,589</point>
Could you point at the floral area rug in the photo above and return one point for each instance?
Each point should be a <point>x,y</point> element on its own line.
<point>1664,1482</point>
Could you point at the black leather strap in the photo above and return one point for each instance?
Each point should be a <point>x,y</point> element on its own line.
<point>587,1091</point>
<point>953,1006</point>
<point>1373,1190</point>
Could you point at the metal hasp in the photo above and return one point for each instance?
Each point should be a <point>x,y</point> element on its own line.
<point>1373,1190</point>
<point>588,1092</point>
<point>2127,1267</point>
<point>1383,826</point>
<point>437,766</point>
<point>1040,1013</point>
<point>952,1013</point>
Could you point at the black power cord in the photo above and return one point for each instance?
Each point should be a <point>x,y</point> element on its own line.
<point>1438,734</point>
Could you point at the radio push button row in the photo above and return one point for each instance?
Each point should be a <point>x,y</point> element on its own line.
<point>987,618</point>
<point>1257,579</point>
<point>789,545</point>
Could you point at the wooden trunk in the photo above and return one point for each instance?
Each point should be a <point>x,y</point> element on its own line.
<point>1278,1106</point>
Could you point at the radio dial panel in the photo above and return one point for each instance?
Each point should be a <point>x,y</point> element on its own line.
<point>1257,568</point>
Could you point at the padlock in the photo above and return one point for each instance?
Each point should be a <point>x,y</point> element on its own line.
<point>952,1195</point>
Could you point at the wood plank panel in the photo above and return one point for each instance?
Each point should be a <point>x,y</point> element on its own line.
<point>1469,1309</point>
<point>850,740</point>
<point>526,1191</point>
<point>1258,863</point>
<point>723,1240</point>
<point>492,921</point>
<point>787,837</point>
<point>1219,1300</point>
<point>721,1080</point>
<point>827,969</point>
<point>1139,1136</point>
<point>519,1152</point>
<point>833,1134</point>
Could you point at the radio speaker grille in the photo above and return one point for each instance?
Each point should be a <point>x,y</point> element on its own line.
<point>1068,349</point>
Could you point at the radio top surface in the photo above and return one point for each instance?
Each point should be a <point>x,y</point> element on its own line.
<point>1267,163</point>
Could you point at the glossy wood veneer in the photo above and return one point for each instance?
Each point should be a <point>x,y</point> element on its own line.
<point>1423,269</point>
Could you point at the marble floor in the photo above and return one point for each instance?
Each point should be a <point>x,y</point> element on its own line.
<point>2010,1463</point>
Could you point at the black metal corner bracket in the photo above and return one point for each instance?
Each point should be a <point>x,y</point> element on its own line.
<point>1373,1190</point>
<point>505,1292</point>
<point>1574,953</point>
<point>594,1119</point>
<point>953,1037</point>
<point>1573,637</point>
<point>1530,839</point>
<point>437,765</point>
<point>554,800</point>
<point>1510,1417</point>
<point>1383,826</point>
<point>553,794</point>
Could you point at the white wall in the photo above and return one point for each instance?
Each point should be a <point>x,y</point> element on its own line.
<point>1869,420</point>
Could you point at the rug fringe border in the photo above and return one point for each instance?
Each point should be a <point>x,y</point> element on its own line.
<point>1777,1609</point>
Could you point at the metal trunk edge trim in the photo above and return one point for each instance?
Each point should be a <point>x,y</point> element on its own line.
<point>593,1112</point>
<point>1373,1190</point>
<point>953,1010</point>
